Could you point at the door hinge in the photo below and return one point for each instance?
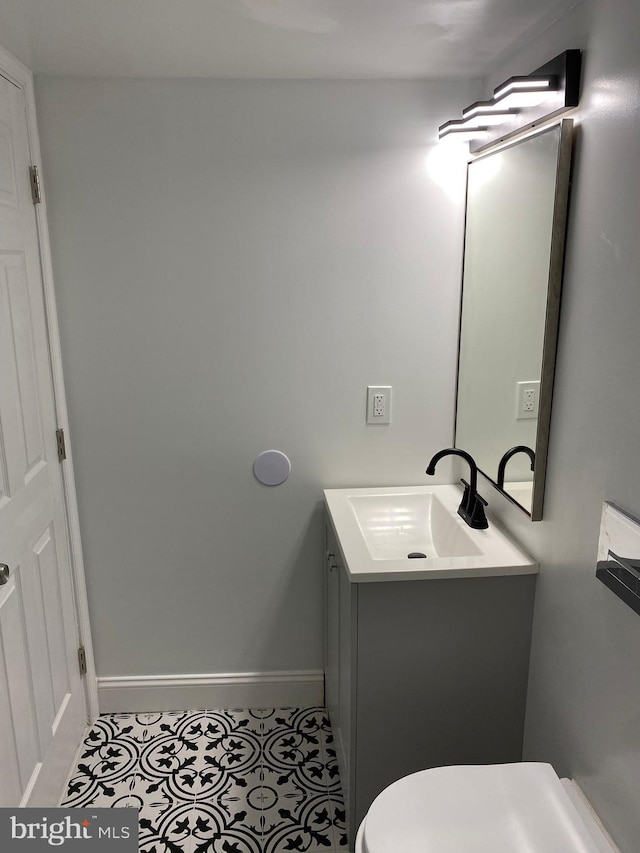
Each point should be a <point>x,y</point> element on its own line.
<point>62,450</point>
<point>36,189</point>
<point>82,660</point>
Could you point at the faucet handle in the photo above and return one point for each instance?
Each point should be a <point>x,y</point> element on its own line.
<point>466,492</point>
<point>472,508</point>
<point>475,510</point>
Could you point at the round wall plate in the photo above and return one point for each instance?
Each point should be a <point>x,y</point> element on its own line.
<point>272,467</point>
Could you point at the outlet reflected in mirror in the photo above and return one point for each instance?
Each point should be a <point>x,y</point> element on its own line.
<point>514,247</point>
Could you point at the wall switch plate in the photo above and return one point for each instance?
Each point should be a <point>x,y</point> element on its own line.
<point>527,399</point>
<point>378,404</point>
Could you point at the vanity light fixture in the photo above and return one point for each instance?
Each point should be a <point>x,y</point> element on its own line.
<point>518,103</point>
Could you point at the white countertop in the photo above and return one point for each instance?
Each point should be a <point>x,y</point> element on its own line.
<point>494,553</point>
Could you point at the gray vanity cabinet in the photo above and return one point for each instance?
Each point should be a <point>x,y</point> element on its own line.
<point>422,674</point>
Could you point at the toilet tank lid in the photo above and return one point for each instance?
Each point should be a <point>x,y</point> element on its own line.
<point>495,808</point>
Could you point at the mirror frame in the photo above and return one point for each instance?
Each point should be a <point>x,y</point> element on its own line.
<point>552,310</point>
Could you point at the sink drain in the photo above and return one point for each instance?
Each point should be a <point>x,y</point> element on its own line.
<point>415,555</point>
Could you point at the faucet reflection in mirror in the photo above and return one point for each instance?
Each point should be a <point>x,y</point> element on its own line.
<point>472,506</point>
<point>519,490</point>
<point>520,448</point>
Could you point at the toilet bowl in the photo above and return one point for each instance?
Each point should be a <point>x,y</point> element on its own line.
<point>498,808</point>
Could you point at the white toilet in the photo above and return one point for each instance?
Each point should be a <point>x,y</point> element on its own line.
<point>497,808</point>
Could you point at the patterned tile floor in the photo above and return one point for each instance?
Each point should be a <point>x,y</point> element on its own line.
<point>260,781</point>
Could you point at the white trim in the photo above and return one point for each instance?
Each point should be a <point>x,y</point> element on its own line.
<point>137,693</point>
<point>19,74</point>
<point>14,70</point>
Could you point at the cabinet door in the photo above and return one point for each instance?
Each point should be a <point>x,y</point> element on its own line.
<point>332,639</point>
<point>340,667</point>
<point>348,679</point>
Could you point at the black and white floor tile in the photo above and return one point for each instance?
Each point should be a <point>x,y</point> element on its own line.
<point>236,781</point>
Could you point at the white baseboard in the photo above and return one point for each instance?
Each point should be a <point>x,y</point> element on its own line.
<point>133,693</point>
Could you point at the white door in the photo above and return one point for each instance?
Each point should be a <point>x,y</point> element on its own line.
<point>42,702</point>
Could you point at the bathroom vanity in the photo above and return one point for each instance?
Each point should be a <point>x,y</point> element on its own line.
<point>426,657</point>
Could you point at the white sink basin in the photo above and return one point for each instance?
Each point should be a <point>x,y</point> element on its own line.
<point>393,526</point>
<point>378,528</point>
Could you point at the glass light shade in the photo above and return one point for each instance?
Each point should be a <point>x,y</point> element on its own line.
<point>487,119</point>
<point>520,99</point>
<point>518,92</point>
<point>486,108</point>
<point>523,84</point>
<point>462,134</point>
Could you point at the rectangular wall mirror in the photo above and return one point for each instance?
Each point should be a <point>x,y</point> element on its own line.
<point>517,201</point>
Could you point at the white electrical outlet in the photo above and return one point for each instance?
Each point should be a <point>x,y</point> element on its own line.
<point>527,399</point>
<point>378,404</point>
<point>379,408</point>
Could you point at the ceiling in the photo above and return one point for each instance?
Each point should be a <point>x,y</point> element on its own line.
<point>293,39</point>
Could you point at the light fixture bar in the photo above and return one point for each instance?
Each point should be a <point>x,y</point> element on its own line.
<point>547,92</point>
<point>519,102</point>
<point>514,93</point>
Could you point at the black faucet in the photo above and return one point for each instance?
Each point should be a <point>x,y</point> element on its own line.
<point>471,508</point>
<point>519,448</point>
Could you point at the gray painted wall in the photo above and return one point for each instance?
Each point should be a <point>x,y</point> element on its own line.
<point>584,691</point>
<point>346,230</point>
<point>235,262</point>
